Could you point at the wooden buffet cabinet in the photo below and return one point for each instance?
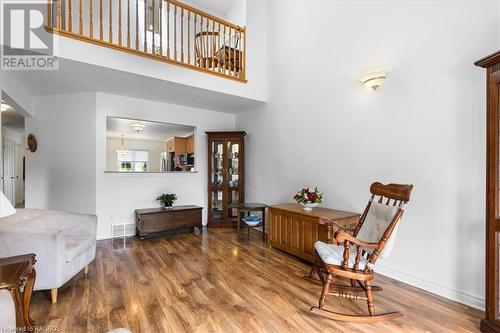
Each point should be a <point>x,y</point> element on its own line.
<point>295,231</point>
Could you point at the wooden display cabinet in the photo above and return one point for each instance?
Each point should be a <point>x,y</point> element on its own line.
<point>491,322</point>
<point>225,177</point>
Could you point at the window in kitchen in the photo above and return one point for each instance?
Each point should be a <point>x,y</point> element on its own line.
<point>133,161</point>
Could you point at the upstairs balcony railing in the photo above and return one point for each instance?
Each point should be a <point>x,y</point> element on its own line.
<point>165,30</point>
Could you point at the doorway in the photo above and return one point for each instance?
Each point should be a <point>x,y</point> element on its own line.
<point>13,171</point>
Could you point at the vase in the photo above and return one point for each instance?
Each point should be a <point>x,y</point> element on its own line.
<point>309,206</point>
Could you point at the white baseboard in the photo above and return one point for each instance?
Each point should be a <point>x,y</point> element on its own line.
<point>453,294</point>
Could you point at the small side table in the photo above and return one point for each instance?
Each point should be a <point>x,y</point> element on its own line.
<point>248,208</point>
<point>17,275</point>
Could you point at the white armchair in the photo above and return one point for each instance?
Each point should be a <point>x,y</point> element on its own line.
<point>7,312</point>
<point>64,243</point>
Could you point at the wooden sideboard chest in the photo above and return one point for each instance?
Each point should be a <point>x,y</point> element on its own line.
<point>156,221</point>
<point>295,230</point>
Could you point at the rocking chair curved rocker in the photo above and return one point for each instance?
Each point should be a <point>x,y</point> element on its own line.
<point>354,256</point>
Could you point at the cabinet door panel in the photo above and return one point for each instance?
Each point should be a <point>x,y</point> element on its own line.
<point>285,230</point>
<point>233,162</point>
<point>217,209</point>
<point>274,228</point>
<point>233,199</point>
<point>216,163</point>
<point>295,226</point>
<point>309,236</point>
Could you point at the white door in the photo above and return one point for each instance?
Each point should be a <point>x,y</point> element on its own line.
<point>18,166</point>
<point>9,171</point>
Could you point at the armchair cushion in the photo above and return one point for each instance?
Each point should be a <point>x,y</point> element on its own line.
<point>76,246</point>
<point>377,221</point>
<point>333,254</point>
<point>7,312</point>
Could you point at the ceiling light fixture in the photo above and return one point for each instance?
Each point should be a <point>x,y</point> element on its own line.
<point>137,126</point>
<point>4,106</point>
<point>122,151</point>
<point>374,80</point>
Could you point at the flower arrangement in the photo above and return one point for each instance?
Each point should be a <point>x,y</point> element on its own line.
<point>309,198</point>
<point>167,199</point>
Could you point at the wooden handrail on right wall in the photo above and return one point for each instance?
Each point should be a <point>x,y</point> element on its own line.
<point>164,30</point>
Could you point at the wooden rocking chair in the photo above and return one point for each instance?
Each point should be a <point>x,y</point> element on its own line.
<point>355,255</point>
<point>206,46</point>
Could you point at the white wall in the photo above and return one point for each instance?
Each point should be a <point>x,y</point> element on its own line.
<point>68,170</point>
<point>425,126</point>
<point>236,13</point>
<point>61,173</point>
<point>118,194</point>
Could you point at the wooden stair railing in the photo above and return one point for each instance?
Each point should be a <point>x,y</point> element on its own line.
<point>164,30</point>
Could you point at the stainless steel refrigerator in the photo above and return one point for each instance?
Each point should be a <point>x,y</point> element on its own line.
<point>166,161</point>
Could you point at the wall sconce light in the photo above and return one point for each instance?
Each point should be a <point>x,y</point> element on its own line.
<point>374,80</point>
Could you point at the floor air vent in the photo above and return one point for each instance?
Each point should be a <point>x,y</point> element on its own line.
<point>123,230</point>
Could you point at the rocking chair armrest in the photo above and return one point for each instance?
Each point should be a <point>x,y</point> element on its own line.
<point>341,237</point>
<point>326,220</point>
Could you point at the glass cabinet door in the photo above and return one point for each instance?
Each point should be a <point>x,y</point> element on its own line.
<point>217,205</point>
<point>233,177</point>
<point>233,199</point>
<point>233,167</point>
<point>217,163</point>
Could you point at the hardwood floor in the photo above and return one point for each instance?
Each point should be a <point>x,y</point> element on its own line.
<point>215,282</point>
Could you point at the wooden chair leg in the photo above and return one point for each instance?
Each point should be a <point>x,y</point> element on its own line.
<point>53,295</point>
<point>351,292</point>
<point>28,289</point>
<point>313,270</point>
<point>324,292</point>
<point>369,298</point>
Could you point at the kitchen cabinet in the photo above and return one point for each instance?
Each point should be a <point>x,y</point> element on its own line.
<point>177,144</point>
<point>225,177</point>
<point>190,144</point>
